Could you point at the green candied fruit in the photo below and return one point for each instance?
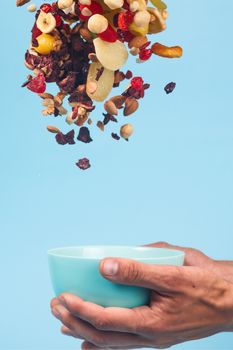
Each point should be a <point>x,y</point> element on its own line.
<point>159,4</point>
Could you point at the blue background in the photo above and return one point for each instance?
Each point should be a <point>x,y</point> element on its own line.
<point>172,181</point>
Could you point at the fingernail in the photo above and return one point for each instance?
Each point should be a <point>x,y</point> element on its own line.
<point>110,267</point>
<point>62,299</point>
<point>56,311</point>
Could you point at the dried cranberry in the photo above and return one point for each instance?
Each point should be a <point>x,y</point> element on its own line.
<point>170,87</point>
<point>128,74</point>
<point>83,164</point>
<point>125,36</point>
<point>46,8</point>
<point>137,83</point>
<point>84,135</point>
<point>124,20</point>
<point>109,35</point>
<point>37,84</point>
<point>145,54</point>
<point>63,139</point>
<point>35,32</point>
<point>58,20</point>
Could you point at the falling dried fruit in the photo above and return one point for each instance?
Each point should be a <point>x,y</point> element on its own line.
<point>169,87</point>
<point>83,164</point>
<point>81,46</point>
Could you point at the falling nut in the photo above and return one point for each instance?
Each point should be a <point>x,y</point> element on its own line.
<point>110,107</point>
<point>53,129</point>
<point>126,131</point>
<point>138,41</point>
<point>118,101</point>
<point>21,2</point>
<point>31,8</point>
<point>97,24</point>
<point>131,105</point>
<point>86,34</point>
<point>65,4</point>
<point>45,95</point>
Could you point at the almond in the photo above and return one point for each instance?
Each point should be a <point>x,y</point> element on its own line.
<point>45,95</point>
<point>131,105</point>
<point>53,129</point>
<point>22,2</point>
<point>138,41</point>
<point>110,107</point>
<point>86,34</point>
<point>118,100</point>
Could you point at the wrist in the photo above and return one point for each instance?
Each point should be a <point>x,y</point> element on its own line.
<point>223,269</point>
<point>228,308</point>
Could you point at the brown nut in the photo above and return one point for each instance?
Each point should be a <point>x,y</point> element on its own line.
<point>110,107</point>
<point>138,41</point>
<point>126,131</point>
<point>86,34</point>
<point>118,101</point>
<point>166,51</point>
<point>119,76</point>
<point>53,129</point>
<point>45,96</point>
<point>100,125</point>
<point>131,105</point>
<point>21,2</point>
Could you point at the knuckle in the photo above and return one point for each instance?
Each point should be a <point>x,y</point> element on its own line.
<point>131,273</point>
<point>100,341</point>
<point>101,323</point>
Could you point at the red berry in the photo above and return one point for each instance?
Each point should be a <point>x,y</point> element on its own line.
<point>137,83</point>
<point>94,8</point>
<point>37,84</point>
<point>58,20</point>
<point>46,8</point>
<point>109,35</point>
<point>145,54</point>
<point>125,19</point>
<point>125,36</point>
<point>35,32</point>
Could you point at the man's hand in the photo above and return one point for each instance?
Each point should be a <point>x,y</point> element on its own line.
<point>187,303</point>
<point>194,257</point>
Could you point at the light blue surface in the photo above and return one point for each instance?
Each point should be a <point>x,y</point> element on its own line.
<point>173,181</point>
<point>76,270</point>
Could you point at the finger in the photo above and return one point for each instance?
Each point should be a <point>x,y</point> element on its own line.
<point>107,319</point>
<point>69,333</point>
<point>82,329</point>
<point>161,278</point>
<point>54,302</point>
<point>89,346</point>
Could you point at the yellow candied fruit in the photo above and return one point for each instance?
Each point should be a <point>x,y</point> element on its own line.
<point>142,31</point>
<point>45,44</point>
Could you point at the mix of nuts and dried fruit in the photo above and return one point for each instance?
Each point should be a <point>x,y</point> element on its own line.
<point>81,45</point>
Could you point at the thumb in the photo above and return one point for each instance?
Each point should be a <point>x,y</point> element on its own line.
<point>131,272</point>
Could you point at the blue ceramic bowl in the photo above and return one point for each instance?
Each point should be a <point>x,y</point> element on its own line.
<point>76,270</point>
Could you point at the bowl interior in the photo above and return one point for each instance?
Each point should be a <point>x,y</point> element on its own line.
<point>100,252</point>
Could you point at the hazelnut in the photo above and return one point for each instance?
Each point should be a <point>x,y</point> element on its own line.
<point>97,24</point>
<point>126,131</point>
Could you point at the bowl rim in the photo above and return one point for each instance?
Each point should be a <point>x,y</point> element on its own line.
<point>175,253</point>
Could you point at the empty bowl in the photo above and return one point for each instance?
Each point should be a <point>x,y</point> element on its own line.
<point>76,270</point>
